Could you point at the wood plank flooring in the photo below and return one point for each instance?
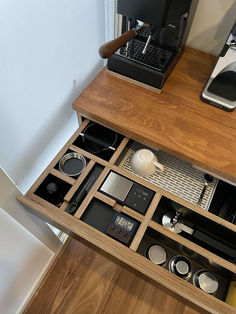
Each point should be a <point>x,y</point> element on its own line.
<point>83,281</point>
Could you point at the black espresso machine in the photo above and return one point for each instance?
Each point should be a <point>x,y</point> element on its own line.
<point>153,36</point>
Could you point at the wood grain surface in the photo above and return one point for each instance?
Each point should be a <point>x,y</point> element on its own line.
<point>83,281</point>
<point>125,257</point>
<point>176,121</point>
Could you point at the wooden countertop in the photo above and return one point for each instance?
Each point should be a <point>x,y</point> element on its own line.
<point>175,121</point>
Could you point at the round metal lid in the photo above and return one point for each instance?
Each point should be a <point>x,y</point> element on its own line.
<point>157,254</point>
<point>182,267</point>
<point>208,282</point>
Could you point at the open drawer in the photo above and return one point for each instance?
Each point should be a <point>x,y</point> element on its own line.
<point>110,220</point>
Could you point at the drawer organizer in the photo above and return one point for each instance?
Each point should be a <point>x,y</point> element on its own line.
<point>117,212</point>
<point>179,177</point>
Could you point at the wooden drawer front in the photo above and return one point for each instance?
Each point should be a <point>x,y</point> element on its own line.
<point>89,222</point>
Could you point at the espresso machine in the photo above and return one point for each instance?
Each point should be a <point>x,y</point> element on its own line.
<point>220,90</point>
<point>153,36</point>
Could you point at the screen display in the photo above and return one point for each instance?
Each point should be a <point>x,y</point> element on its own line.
<point>124,223</point>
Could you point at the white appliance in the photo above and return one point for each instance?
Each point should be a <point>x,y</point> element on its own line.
<point>220,90</point>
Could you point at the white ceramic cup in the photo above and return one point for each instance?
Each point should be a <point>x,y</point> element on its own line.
<point>145,163</point>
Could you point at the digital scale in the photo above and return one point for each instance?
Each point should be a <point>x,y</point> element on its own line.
<point>127,192</point>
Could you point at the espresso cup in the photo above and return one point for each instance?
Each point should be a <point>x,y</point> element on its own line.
<point>145,163</point>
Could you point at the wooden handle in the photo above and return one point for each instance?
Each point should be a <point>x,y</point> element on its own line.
<point>107,50</point>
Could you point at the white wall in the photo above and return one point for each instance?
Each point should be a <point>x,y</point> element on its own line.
<point>49,53</point>
<point>212,24</point>
<point>23,259</point>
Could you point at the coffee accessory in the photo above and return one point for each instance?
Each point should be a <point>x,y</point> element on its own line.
<point>153,34</point>
<point>206,281</point>
<point>116,186</point>
<point>175,222</point>
<point>180,266</point>
<point>71,208</point>
<point>98,138</point>
<point>157,254</point>
<point>145,163</point>
<point>208,179</point>
<point>220,90</point>
<point>139,198</point>
<point>72,164</point>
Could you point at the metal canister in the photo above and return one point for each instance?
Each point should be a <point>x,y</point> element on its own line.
<point>157,254</point>
<point>180,266</point>
<point>206,281</point>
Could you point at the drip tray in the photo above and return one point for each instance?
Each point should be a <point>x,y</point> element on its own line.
<point>155,57</point>
<point>178,178</point>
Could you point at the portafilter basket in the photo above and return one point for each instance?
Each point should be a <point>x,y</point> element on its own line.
<point>72,164</point>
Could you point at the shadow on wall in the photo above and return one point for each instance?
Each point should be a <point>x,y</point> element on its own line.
<point>211,29</point>
<point>49,132</point>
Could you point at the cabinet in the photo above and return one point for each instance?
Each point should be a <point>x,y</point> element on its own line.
<point>90,222</point>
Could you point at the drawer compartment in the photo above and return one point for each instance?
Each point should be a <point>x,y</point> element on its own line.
<point>98,140</point>
<point>196,228</point>
<point>224,202</point>
<point>192,263</point>
<point>100,215</point>
<point>53,190</point>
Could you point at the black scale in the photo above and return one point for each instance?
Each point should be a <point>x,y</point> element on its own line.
<point>139,198</point>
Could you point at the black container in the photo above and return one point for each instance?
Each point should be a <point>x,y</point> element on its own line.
<point>180,266</point>
<point>97,140</point>
<point>53,190</point>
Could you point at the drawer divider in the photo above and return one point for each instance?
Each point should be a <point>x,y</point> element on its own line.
<point>146,221</point>
<point>78,182</point>
<point>189,244</point>
<point>91,193</point>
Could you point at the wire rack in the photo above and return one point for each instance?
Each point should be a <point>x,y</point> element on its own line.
<point>179,177</point>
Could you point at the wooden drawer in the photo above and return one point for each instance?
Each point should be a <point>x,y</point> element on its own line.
<point>82,225</point>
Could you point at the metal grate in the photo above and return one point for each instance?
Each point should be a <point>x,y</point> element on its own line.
<point>179,177</point>
<point>155,57</point>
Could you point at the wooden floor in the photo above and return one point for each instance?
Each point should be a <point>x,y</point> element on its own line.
<point>83,281</point>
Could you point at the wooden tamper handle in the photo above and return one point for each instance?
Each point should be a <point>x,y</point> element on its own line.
<point>107,50</point>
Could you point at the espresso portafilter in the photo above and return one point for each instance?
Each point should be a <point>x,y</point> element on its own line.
<point>107,50</point>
